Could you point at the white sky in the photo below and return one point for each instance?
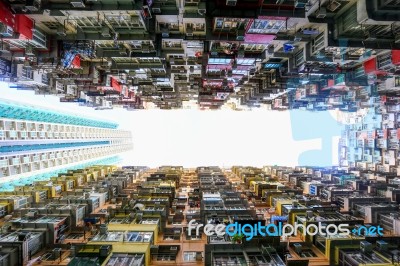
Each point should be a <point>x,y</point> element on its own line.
<point>193,137</point>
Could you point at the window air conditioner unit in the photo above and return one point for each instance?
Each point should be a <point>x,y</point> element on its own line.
<point>61,30</point>
<point>271,49</point>
<point>321,13</point>
<point>29,51</point>
<point>33,5</point>
<point>300,3</point>
<point>105,32</point>
<point>397,38</point>
<point>370,37</point>
<point>145,48</point>
<point>77,3</point>
<point>156,9</point>
<point>240,35</point>
<point>165,32</point>
<point>231,2</point>
<point>189,32</point>
<point>201,12</point>
<point>310,31</point>
<point>202,9</point>
<point>241,53</point>
<point>123,51</point>
<point>6,31</point>
<point>297,38</point>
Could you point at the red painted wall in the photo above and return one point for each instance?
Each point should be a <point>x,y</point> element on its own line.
<point>6,16</point>
<point>24,26</point>
<point>370,65</point>
<point>115,84</point>
<point>396,57</point>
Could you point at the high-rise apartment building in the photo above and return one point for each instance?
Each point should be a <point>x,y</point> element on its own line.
<point>35,140</point>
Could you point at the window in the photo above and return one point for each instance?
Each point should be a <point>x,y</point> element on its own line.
<point>397,82</point>
<point>239,72</point>
<point>266,26</point>
<point>189,256</point>
<point>195,26</point>
<point>245,61</point>
<point>229,23</point>
<point>219,61</point>
<point>171,44</point>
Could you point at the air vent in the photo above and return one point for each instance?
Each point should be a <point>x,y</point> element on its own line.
<point>231,2</point>
<point>77,4</point>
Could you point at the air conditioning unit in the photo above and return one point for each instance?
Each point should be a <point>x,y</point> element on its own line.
<point>321,13</point>
<point>397,38</point>
<point>189,32</point>
<point>231,2</point>
<point>310,31</point>
<point>271,49</point>
<point>240,35</point>
<point>105,32</point>
<point>77,3</point>
<point>123,51</point>
<point>297,38</point>
<point>366,247</point>
<point>33,5</point>
<point>201,12</point>
<point>381,245</point>
<point>6,31</point>
<point>165,32</point>
<point>145,48</point>
<point>156,9</point>
<point>370,37</point>
<point>300,3</point>
<point>29,51</point>
<point>61,30</point>
<point>241,53</point>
